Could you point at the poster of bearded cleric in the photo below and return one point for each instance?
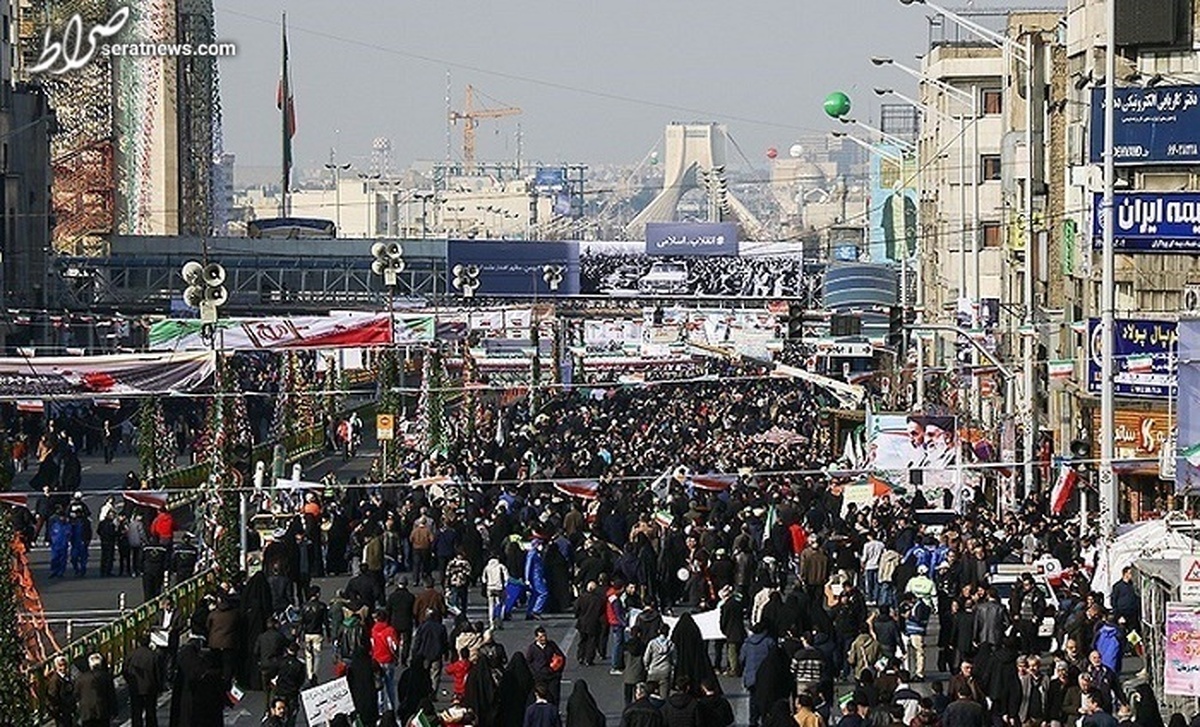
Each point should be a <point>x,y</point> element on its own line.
<point>916,453</point>
<point>693,259</point>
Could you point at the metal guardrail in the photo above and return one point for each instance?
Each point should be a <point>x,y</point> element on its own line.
<point>297,446</point>
<point>120,637</point>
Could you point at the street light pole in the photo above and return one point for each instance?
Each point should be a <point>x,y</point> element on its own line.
<point>336,169</point>
<point>1108,484</point>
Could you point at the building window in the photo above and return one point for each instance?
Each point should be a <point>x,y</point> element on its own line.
<point>989,167</point>
<point>992,236</point>
<point>991,101</point>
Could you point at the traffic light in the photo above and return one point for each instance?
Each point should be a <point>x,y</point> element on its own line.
<point>795,322</point>
<point>895,335</point>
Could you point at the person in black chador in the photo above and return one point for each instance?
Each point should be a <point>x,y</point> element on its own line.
<point>581,708</point>
<point>516,688</point>
<point>691,653</point>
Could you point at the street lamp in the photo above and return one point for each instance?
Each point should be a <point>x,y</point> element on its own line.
<point>369,192</point>
<point>1024,55</point>
<point>895,140</point>
<point>425,197</point>
<point>388,263</point>
<point>336,170</point>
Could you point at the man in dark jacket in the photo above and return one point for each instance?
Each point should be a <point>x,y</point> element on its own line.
<point>60,694</point>
<point>641,712</point>
<point>269,650</point>
<point>289,680</point>
<point>431,645</point>
<point>95,694</point>
<point>713,709</point>
<point>542,713</point>
<point>141,673</point>
<point>400,614</point>
<point>681,709</point>
<point>590,622</point>
<point>1126,604</point>
<point>965,711</point>
<point>541,657</point>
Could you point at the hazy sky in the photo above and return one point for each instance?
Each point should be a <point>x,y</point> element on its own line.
<point>597,80</point>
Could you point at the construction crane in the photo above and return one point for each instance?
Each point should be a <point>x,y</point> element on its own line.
<point>470,117</point>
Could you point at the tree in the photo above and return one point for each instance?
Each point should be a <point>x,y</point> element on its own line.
<point>155,450</point>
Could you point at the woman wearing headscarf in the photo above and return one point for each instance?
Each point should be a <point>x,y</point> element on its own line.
<point>581,708</point>
<point>360,674</point>
<point>691,653</point>
<point>412,687</point>
<point>773,682</point>
<point>480,694</point>
<point>516,688</point>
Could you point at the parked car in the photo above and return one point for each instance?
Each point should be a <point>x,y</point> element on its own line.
<point>665,278</point>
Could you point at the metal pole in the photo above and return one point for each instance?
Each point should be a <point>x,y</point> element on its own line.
<point>1108,483</point>
<point>976,291</point>
<point>1030,338</point>
<point>244,522</point>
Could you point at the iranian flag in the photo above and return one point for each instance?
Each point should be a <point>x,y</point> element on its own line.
<point>1191,454</point>
<point>287,106</point>
<point>16,499</point>
<point>1063,487</point>
<point>712,483</point>
<point>156,499</point>
<point>1142,364</point>
<point>583,489</point>
<point>1061,370</point>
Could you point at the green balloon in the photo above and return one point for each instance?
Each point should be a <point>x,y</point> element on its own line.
<point>837,104</point>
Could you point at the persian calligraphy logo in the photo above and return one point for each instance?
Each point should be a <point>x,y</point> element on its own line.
<point>70,50</point>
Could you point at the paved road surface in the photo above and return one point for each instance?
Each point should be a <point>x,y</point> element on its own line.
<point>72,595</point>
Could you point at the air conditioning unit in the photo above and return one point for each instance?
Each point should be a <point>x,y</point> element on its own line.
<point>1191,299</point>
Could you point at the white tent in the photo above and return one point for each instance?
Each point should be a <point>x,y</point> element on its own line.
<point>1170,538</point>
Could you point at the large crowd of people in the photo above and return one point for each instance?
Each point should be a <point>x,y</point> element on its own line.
<point>827,612</point>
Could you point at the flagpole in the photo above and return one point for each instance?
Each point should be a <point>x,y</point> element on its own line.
<point>284,93</point>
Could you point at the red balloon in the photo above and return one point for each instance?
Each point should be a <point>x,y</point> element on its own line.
<point>772,152</point>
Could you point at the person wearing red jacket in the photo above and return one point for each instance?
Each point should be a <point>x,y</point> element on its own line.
<point>163,526</point>
<point>615,614</point>
<point>799,543</point>
<point>385,652</point>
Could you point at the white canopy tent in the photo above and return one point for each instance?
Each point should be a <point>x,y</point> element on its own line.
<point>1168,538</point>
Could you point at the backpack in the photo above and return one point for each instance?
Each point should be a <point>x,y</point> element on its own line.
<point>350,638</point>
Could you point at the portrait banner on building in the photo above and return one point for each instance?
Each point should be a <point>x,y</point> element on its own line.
<point>914,449</point>
<point>893,214</point>
<point>1181,651</point>
<point>1187,404</point>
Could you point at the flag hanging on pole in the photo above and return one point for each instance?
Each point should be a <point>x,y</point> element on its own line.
<point>1191,454</point>
<point>583,489</point>
<point>287,106</point>
<point>1063,487</point>
<point>1061,370</point>
<point>1140,364</point>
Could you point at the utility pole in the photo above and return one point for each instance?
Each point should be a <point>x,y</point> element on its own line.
<point>1108,483</point>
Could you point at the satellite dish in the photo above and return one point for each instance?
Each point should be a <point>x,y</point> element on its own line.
<point>795,151</point>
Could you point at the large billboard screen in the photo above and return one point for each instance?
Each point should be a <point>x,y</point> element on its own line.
<point>1142,351</point>
<point>1153,125</point>
<point>1151,222</point>
<point>514,268</point>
